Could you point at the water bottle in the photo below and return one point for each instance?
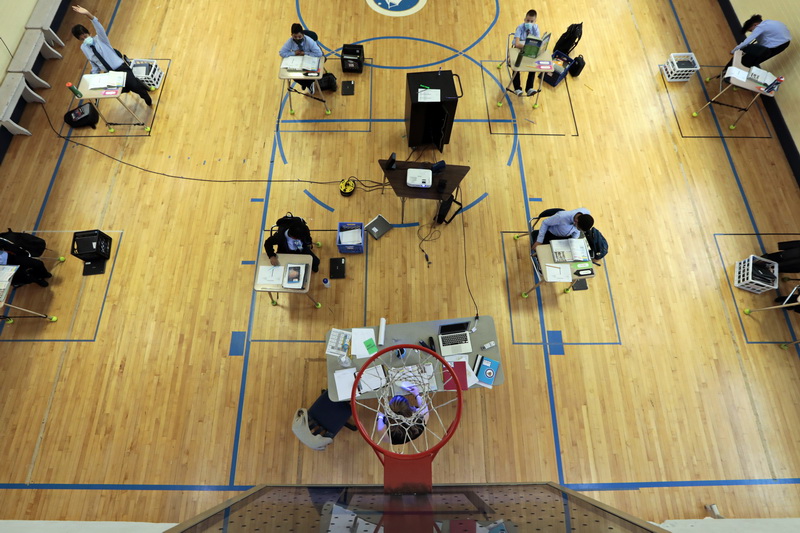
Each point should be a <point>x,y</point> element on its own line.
<point>326,282</point>
<point>519,59</point>
<point>74,90</point>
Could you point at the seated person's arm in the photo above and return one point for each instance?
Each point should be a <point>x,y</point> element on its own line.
<point>313,48</point>
<point>286,49</point>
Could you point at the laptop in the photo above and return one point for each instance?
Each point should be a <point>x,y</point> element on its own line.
<point>454,339</point>
<point>377,227</point>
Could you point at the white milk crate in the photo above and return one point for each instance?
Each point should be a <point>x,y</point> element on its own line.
<point>148,72</point>
<point>680,67</point>
<point>744,275</point>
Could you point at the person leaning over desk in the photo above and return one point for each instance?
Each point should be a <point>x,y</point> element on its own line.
<point>301,44</point>
<point>767,39</point>
<point>103,56</point>
<point>292,239</point>
<point>523,31</point>
<point>564,225</point>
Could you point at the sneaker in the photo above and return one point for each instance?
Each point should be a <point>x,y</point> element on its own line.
<point>42,283</point>
<point>312,89</point>
<point>518,92</point>
<point>531,91</point>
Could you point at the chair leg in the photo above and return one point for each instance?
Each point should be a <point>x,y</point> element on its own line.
<point>350,426</point>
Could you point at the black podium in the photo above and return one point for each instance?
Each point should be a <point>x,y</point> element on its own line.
<point>430,122</point>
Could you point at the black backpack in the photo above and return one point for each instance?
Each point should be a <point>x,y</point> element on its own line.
<point>289,219</point>
<point>577,66</point>
<point>597,243</point>
<point>328,82</point>
<point>23,244</point>
<point>569,40</point>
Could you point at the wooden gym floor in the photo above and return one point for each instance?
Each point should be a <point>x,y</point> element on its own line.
<point>660,395</point>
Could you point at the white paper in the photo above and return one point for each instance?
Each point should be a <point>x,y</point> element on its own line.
<point>429,95</point>
<point>269,275</point>
<point>7,272</point>
<point>344,379</point>
<point>736,73</point>
<point>557,272</point>
<point>372,379</point>
<point>359,336</point>
<point>350,236</point>
<point>416,375</point>
<point>105,80</point>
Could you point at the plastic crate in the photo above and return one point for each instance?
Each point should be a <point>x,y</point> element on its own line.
<point>744,275</point>
<point>148,72</point>
<point>561,64</point>
<point>350,248</point>
<point>680,67</point>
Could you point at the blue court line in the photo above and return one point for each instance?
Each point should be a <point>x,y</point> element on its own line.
<point>122,486</point>
<point>551,398</point>
<point>243,385</point>
<point>721,136</point>
<point>479,199</point>
<point>555,341</point>
<point>534,200</point>
<point>248,262</point>
<point>320,202</point>
<point>284,340</point>
<point>666,484</point>
<point>237,343</point>
<point>406,225</point>
<point>256,199</point>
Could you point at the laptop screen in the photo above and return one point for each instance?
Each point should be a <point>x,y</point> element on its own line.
<point>458,327</point>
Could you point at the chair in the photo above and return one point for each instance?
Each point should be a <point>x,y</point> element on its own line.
<point>311,34</point>
<point>319,424</point>
<point>534,221</point>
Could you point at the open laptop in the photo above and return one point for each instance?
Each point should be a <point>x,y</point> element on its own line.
<point>454,339</point>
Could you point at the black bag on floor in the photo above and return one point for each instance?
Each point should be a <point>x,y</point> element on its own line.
<point>23,244</point>
<point>328,82</point>
<point>577,66</point>
<point>597,243</point>
<point>82,116</point>
<point>569,39</point>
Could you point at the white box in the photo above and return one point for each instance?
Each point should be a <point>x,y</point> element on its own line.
<point>744,275</point>
<point>148,72</point>
<point>680,67</point>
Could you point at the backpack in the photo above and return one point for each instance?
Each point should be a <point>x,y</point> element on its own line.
<point>328,82</point>
<point>23,244</point>
<point>577,66</point>
<point>597,243</point>
<point>569,39</point>
<point>287,220</point>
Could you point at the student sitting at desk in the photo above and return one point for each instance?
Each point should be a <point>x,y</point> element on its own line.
<point>523,31</point>
<point>103,57</point>
<point>405,422</point>
<point>767,39</point>
<point>301,44</point>
<point>563,225</point>
<point>293,238</point>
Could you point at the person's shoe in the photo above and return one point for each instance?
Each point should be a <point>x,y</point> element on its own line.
<point>315,269</point>
<point>531,91</point>
<point>42,283</point>
<point>518,92</point>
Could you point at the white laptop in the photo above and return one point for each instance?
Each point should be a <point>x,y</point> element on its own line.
<point>454,339</point>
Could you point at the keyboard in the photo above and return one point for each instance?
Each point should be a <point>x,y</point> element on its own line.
<point>454,338</point>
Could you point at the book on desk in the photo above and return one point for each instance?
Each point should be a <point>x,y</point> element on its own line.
<point>300,63</point>
<point>569,250</point>
<point>293,276</point>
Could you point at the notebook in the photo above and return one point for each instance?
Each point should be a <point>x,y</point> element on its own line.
<point>454,338</point>
<point>300,63</point>
<point>378,226</point>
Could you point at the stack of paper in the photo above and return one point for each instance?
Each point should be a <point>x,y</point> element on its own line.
<point>344,379</point>
<point>363,344</point>
<point>350,236</point>
<point>269,275</point>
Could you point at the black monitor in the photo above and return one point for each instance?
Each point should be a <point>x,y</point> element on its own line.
<point>390,163</point>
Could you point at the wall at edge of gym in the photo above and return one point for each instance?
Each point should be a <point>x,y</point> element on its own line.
<point>787,64</point>
<point>12,25</point>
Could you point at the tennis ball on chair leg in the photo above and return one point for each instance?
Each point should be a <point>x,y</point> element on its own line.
<point>747,311</point>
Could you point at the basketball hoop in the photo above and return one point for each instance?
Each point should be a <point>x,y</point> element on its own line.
<point>406,434</point>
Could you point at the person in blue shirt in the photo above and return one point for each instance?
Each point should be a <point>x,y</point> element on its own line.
<point>523,31</point>
<point>564,225</point>
<point>102,56</point>
<point>301,44</point>
<point>767,39</point>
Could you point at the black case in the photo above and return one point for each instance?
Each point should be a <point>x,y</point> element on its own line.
<point>352,58</point>
<point>82,116</point>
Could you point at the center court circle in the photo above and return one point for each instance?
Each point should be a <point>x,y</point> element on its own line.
<point>396,8</point>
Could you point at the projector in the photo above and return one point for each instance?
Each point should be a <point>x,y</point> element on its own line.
<point>418,177</point>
